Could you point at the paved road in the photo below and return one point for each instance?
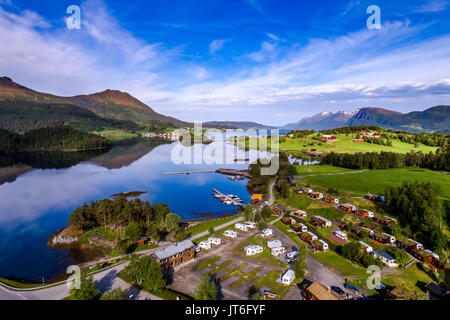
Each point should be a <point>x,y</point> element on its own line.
<point>271,197</point>
<point>104,281</point>
<point>204,233</point>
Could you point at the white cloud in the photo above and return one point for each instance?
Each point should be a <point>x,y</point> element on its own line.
<point>433,7</point>
<point>216,45</point>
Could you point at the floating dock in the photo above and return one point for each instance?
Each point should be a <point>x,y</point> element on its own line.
<point>228,199</point>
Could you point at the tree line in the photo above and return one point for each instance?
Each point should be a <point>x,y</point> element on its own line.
<point>440,160</point>
<point>420,212</point>
<point>51,139</point>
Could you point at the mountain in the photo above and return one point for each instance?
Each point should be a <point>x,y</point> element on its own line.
<point>433,119</point>
<point>112,104</point>
<point>235,125</point>
<point>323,120</point>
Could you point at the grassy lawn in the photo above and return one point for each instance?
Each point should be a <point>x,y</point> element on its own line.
<point>115,135</point>
<point>334,261</point>
<point>377,181</point>
<point>290,234</point>
<point>20,284</point>
<point>345,144</point>
<point>314,169</point>
<point>205,225</point>
<point>265,256</point>
<point>329,213</point>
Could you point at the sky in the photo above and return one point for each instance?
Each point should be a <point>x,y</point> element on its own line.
<point>273,62</point>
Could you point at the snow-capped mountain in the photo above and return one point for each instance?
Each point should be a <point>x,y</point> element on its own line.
<point>323,120</point>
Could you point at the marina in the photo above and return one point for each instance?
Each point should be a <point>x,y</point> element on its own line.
<point>228,199</point>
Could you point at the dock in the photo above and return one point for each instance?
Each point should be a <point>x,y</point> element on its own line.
<point>188,172</point>
<point>227,199</point>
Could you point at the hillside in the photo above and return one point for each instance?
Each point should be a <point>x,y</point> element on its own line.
<point>112,104</point>
<point>433,119</point>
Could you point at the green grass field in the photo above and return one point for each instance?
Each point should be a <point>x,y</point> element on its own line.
<point>316,169</point>
<point>205,225</point>
<point>345,144</point>
<point>115,135</point>
<point>377,181</point>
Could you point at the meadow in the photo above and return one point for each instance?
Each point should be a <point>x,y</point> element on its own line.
<point>345,144</point>
<point>374,181</point>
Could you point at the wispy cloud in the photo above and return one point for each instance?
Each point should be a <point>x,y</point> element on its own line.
<point>433,7</point>
<point>216,45</point>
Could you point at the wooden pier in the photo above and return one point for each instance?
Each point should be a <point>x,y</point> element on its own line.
<point>188,172</point>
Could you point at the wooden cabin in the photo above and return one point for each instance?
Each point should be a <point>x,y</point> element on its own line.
<point>320,222</point>
<point>287,220</point>
<point>175,254</point>
<point>298,213</point>
<point>409,244</point>
<point>316,195</point>
<point>278,210</point>
<point>381,221</point>
<point>331,200</point>
<point>382,238</point>
<point>307,236</point>
<point>347,207</point>
<point>319,245</point>
<point>317,291</point>
<point>341,224</point>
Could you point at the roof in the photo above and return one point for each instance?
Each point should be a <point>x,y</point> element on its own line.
<point>320,292</point>
<point>435,289</point>
<point>252,246</point>
<point>323,242</point>
<point>290,274</point>
<point>174,249</point>
<point>311,234</point>
<point>347,205</point>
<point>321,218</point>
<point>279,206</point>
<point>365,244</point>
<point>384,254</point>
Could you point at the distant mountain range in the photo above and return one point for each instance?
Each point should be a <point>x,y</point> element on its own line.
<point>235,125</point>
<point>436,119</point>
<point>323,120</point>
<point>25,105</point>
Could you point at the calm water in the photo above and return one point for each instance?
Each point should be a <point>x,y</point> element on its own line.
<point>34,203</point>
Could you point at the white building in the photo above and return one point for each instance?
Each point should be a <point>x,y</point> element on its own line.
<point>288,277</point>
<point>252,250</point>
<point>277,251</point>
<point>230,234</point>
<point>266,233</point>
<point>386,258</point>
<point>241,227</point>
<point>370,214</point>
<point>215,241</point>
<point>298,213</point>
<point>274,243</point>
<point>341,235</point>
<point>250,224</point>
<point>205,245</point>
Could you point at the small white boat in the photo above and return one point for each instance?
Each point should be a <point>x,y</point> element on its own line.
<point>227,202</point>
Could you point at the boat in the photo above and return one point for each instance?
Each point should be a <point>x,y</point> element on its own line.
<point>227,202</point>
<point>231,178</point>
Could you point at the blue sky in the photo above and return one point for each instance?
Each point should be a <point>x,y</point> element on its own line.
<point>272,62</point>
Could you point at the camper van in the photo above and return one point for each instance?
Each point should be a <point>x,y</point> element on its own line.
<point>250,224</point>
<point>241,227</point>
<point>230,234</point>
<point>266,233</point>
<point>277,251</point>
<point>274,243</point>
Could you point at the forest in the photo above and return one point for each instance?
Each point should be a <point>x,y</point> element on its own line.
<point>389,160</point>
<point>420,212</point>
<point>135,217</point>
<point>51,139</point>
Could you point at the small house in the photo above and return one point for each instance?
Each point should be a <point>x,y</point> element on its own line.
<point>288,277</point>
<point>409,244</point>
<point>230,234</point>
<point>341,224</point>
<point>274,243</point>
<point>383,238</point>
<point>215,241</point>
<point>287,220</point>
<point>317,291</point>
<point>205,245</point>
<point>331,200</point>
<point>318,245</point>
<point>278,210</point>
<point>391,237</point>
<point>241,226</point>
<point>435,291</point>
<point>320,222</point>
<point>316,195</point>
<point>363,213</point>
<point>358,140</point>
<point>347,207</point>
<point>385,257</point>
<point>298,213</point>
<point>277,251</point>
<point>252,250</point>
<point>341,235</point>
<point>266,233</point>
<point>250,224</point>
<point>307,236</point>
<point>175,254</point>
<point>299,227</point>
<point>381,221</point>
<point>366,248</point>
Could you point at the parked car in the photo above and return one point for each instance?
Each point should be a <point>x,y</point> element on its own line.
<point>351,287</point>
<point>338,290</point>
